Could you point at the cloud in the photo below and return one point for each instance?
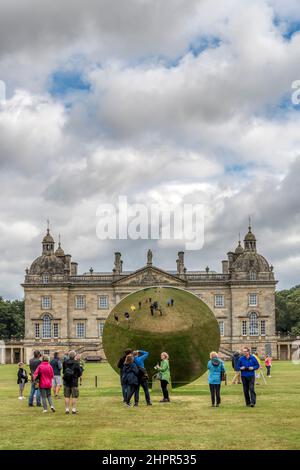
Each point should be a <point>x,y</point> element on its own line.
<point>161,102</point>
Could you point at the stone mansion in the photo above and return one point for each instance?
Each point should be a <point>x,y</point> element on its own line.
<point>64,309</point>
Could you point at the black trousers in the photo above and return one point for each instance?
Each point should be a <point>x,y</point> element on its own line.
<point>164,387</point>
<point>130,391</point>
<point>215,390</point>
<point>145,387</point>
<point>249,392</point>
<point>268,370</point>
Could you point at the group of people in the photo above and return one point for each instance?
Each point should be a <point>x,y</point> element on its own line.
<point>133,375</point>
<point>154,306</point>
<point>246,367</point>
<point>237,373</point>
<point>47,375</point>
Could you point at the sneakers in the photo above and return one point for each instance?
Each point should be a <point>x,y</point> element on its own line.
<point>252,405</point>
<point>67,411</point>
<point>128,405</point>
<point>20,398</point>
<point>149,403</point>
<point>165,400</point>
<point>74,412</point>
<point>53,409</point>
<point>45,411</point>
<point>136,404</point>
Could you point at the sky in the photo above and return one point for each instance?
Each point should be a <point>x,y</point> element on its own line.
<point>164,102</point>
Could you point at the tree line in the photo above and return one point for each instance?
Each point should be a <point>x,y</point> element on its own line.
<point>12,322</point>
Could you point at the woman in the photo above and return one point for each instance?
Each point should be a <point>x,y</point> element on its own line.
<point>164,376</point>
<point>120,366</point>
<point>130,380</point>
<point>22,379</point>
<point>268,364</point>
<point>215,368</point>
<point>45,374</point>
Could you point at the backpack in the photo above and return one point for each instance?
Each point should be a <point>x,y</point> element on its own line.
<point>69,375</point>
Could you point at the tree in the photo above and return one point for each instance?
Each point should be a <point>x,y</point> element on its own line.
<point>288,310</point>
<point>12,319</point>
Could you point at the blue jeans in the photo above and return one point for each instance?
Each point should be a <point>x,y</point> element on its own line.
<point>38,395</point>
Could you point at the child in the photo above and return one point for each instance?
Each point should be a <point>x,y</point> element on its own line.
<point>268,364</point>
<point>22,379</point>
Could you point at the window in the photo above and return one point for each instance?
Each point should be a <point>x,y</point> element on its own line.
<point>101,326</point>
<point>263,327</point>
<point>80,330</point>
<point>253,350</point>
<point>253,324</point>
<point>80,302</point>
<point>103,301</point>
<point>45,278</point>
<point>244,327</point>
<point>253,276</point>
<point>253,300</point>
<point>46,326</point>
<point>37,330</point>
<point>46,352</point>
<point>221,325</point>
<point>46,302</point>
<point>55,330</point>
<point>219,300</point>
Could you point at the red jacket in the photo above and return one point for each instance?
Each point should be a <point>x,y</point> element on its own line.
<point>45,374</point>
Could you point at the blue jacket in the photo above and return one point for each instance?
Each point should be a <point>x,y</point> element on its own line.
<point>215,368</point>
<point>251,362</point>
<point>130,374</point>
<point>139,360</point>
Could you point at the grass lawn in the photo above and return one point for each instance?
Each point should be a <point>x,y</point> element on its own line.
<point>188,422</point>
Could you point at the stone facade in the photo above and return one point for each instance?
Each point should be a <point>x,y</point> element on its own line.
<point>64,309</point>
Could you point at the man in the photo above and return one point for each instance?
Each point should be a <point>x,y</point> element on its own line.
<point>33,365</point>
<point>72,371</point>
<point>56,366</point>
<point>120,365</point>
<point>139,359</point>
<point>235,365</point>
<point>248,365</point>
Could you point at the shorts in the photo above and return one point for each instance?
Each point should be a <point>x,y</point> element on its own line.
<point>56,381</point>
<point>71,392</point>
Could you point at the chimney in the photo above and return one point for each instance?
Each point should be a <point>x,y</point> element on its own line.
<point>225,266</point>
<point>74,268</point>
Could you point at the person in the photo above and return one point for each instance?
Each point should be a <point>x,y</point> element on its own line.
<point>215,368</point>
<point>56,366</point>
<point>45,374</point>
<point>34,390</point>
<point>116,318</point>
<point>132,308</point>
<point>172,302</point>
<point>139,359</point>
<point>72,372</point>
<point>120,366</point>
<point>268,364</point>
<point>126,315</point>
<point>168,302</point>
<point>81,365</point>
<point>140,305</point>
<point>22,379</point>
<point>164,376</point>
<point>248,365</point>
<point>130,379</point>
<point>151,309</point>
<point>257,372</point>
<point>235,366</point>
